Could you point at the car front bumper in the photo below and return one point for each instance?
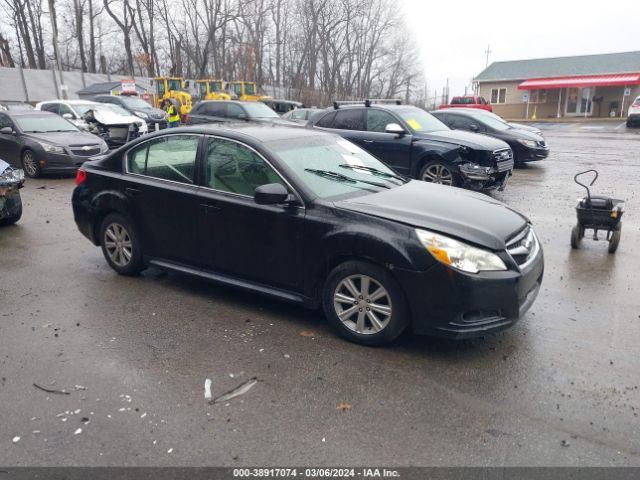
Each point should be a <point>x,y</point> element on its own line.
<point>59,163</point>
<point>633,119</point>
<point>448,303</point>
<point>529,154</point>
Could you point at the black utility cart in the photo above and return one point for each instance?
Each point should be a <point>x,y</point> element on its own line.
<point>597,213</point>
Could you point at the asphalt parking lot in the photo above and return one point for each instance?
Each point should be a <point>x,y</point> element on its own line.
<point>561,388</point>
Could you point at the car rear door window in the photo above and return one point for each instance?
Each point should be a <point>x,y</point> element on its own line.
<point>171,157</point>
<point>213,109</point>
<point>377,120</point>
<point>326,121</point>
<point>351,119</point>
<point>235,168</point>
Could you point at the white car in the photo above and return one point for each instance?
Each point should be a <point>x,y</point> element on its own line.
<point>110,122</point>
<point>633,117</point>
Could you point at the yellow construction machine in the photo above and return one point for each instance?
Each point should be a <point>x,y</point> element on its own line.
<point>173,89</point>
<point>246,91</point>
<point>212,90</point>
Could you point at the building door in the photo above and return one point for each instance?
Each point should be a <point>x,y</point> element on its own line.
<point>578,102</point>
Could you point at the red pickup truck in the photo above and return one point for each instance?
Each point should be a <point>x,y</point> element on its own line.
<point>468,101</point>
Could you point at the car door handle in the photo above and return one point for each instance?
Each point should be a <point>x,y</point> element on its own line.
<point>132,192</point>
<point>210,209</point>
<point>367,141</point>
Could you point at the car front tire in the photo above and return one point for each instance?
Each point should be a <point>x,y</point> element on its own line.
<point>365,304</point>
<point>440,172</point>
<point>120,245</point>
<point>30,164</point>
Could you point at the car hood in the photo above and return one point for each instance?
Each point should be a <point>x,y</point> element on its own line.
<point>107,117</point>
<point>472,140</point>
<point>468,216</point>
<point>526,128</point>
<point>65,139</point>
<point>516,132</point>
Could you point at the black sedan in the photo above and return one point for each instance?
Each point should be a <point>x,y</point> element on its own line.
<point>526,145</point>
<point>220,111</point>
<point>310,218</point>
<point>156,118</point>
<point>42,142</point>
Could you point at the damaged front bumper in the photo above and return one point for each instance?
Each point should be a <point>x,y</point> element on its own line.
<point>478,177</point>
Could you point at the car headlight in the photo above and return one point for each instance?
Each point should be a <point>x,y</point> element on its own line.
<point>12,175</point>
<point>459,255</point>
<point>52,148</point>
<point>527,143</point>
<point>141,115</point>
<point>104,147</point>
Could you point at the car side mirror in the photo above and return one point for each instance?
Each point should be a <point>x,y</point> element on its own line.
<point>473,127</point>
<point>395,129</point>
<point>271,194</point>
<point>7,131</point>
<point>68,116</point>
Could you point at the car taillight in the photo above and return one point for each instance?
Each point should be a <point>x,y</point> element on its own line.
<point>81,176</point>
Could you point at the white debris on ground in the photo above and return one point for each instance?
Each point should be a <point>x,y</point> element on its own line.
<point>16,439</point>
<point>78,431</point>
<point>207,389</point>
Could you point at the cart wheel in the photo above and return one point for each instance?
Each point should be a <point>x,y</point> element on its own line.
<point>615,239</point>
<point>575,236</point>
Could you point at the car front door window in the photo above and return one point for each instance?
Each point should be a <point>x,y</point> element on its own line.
<point>235,168</point>
<point>377,120</point>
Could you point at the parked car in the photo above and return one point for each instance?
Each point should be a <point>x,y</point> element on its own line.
<point>300,115</point>
<point>418,145</point>
<point>217,111</point>
<point>633,116</point>
<point>112,123</point>
<point>11,181</point>
<point>155,118</point>
<point>517,126</point>
<point>310,218</point>
<point>42,142</point>
<point>526,146</point>
<point>468,101</point>
<point>14,106</point>
<point>282,106</point>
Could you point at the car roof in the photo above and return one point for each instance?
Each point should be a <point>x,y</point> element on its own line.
<point>70,102</point>
<point>28,113</point>
<point>262,133</point>
<point>239,102</point>
<point>373,105</point>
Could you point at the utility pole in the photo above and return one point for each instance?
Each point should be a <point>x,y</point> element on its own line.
<point>487,51</point>
<point>56,49</point>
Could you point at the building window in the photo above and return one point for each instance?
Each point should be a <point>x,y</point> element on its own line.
<point>498,95</point>
<point>538,96</point>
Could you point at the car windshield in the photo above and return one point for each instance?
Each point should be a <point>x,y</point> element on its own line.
<point>82,108</point>
<point>43,124</point>
<point>135,103</point>
<point>174,84</point>
<point>331,166</point>
<point>492,122</point>
<point>259,110</point>
<point>420,121</point>
<point>111,108</point>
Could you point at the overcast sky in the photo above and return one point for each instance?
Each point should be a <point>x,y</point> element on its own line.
<point>453,34</point>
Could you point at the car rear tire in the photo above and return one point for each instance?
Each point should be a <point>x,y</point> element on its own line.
<point>120,245</point>
<point>614,241</point>
<point>365,304</point>
<point>440,172</point>
<point>30,164</point>
<point>16,206</point>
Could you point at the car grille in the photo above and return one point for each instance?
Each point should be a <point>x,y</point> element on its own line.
<point>503,159</point>
<point>156,116</point>
<point>523,247</point>
<point>85,150</point>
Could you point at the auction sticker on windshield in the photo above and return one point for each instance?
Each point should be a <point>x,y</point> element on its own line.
<point>414,124</point>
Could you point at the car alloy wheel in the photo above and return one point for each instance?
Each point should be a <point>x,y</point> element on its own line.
<point>438,173</point>
<point>30,164</point>
<point>362,304</point>
<point>118,244</point>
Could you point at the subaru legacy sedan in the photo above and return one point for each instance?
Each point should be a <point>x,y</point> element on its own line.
<point>308,217</point>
